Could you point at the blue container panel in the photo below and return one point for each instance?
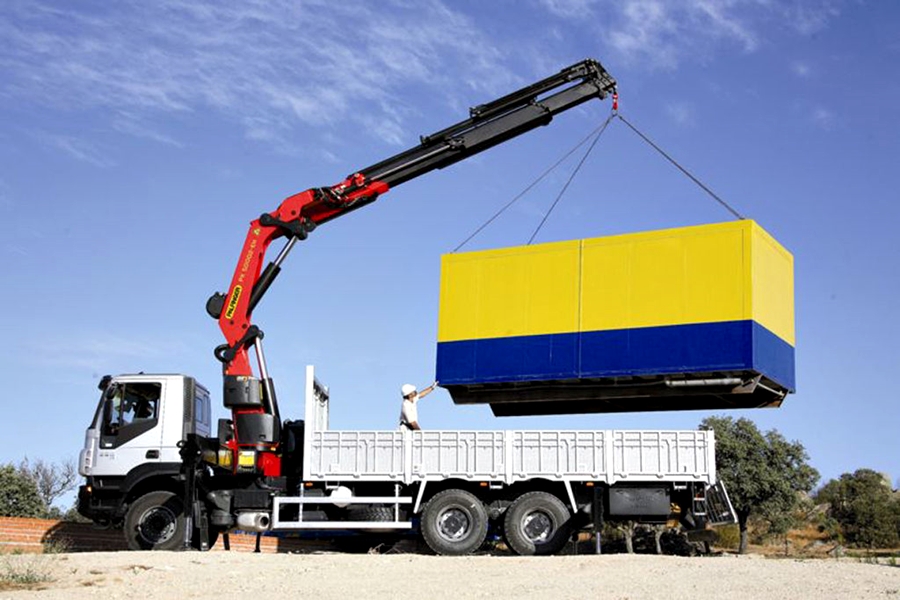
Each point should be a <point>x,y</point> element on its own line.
<point>525,358</point>
<point>773,357</point>
<point>697,348</point>
<point>671,349</point>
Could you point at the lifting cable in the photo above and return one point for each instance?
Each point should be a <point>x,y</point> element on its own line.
<point>571,177</point>
<point>595,134</point>
<point>728,207</point>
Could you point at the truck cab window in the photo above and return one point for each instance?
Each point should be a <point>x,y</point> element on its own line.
<point>131,409</point>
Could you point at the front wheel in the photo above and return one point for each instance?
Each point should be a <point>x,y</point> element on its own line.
<point>537,523</point>
<point>454,523</point>
<point>155,521</point>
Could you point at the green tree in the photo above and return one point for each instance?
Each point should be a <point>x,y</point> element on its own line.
<point>865,508</point>
<point>19,495</point>
<point>764,473</point>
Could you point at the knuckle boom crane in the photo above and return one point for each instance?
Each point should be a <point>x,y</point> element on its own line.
<point>252,397</point>
<point>154,466</point>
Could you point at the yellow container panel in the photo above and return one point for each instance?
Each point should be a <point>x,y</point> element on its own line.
<point>772,272</point>
<point>532,290</point>
<point>664,278</point>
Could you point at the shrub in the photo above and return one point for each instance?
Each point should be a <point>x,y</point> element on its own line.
<point>19,495</point>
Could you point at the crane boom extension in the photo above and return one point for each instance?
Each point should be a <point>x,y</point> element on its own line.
<point>488,125</point>
<point>494,123</point>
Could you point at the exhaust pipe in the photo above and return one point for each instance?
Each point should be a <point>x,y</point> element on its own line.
<point>703,382</point>
<point>253,521</point>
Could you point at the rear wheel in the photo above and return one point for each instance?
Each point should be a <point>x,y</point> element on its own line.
<point>155,521</point>
<point>454,523</point>
<point>537,523</point>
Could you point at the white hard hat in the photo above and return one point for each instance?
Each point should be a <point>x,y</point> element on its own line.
<point>407,389</point>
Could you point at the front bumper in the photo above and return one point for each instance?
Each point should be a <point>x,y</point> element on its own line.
<point>99,505</point>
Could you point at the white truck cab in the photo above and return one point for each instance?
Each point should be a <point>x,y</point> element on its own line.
<point>132,442</point>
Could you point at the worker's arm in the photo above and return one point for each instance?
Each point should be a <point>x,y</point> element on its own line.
<point>425,392</point>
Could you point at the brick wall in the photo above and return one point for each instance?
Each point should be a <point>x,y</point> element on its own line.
<point>38,535</point>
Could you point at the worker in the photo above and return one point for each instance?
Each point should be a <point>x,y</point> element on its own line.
<point>409,413</point>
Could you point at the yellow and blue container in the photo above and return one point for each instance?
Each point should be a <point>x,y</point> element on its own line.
<point>704,315</point>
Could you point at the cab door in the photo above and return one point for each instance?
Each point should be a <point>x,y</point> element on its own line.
<point>130,432</point>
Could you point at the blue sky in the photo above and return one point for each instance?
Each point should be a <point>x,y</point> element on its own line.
<point>139,139</point>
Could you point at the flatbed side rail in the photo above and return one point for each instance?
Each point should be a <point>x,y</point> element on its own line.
<point>508,456</point>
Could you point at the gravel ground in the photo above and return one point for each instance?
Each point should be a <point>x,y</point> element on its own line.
<point>152,575</point>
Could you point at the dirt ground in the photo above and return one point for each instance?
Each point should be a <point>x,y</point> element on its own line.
<point>158,575</point>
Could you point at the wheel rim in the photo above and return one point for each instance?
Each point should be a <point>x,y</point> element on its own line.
<point>453,524</point>
<point>537,526</point>
<point>157,525</point>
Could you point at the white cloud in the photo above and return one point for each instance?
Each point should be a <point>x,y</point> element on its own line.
<point>569,8</point>
<point>801,69</point>
<point>823,118</point>
<point>276,68</point>
<point>132,125</point>
<point>809,18</point>
<point>681,113</point>
<point>76,148</point>
<point>271,66</point>
<point>725,23</point>
<point>646,30</point>
<point>663,33</point>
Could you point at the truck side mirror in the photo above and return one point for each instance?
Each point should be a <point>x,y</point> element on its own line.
<point>104,382</point>
<point>110,418</point>
<point>226,431</point>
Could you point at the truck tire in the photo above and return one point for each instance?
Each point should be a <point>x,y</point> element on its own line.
<point>155,521</point>
<point>371,513</point>
<point>369,541</point>
<point>454,523</point>
<point>536,523</point>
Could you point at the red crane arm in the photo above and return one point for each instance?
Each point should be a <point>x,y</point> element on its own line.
<point>296,216</point>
